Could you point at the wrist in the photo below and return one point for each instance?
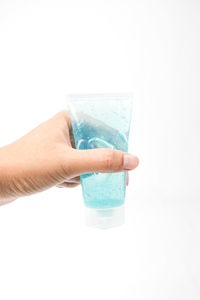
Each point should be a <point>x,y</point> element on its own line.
<point>7,194</point>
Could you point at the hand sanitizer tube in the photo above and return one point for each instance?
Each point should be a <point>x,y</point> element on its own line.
<point>102,121</point>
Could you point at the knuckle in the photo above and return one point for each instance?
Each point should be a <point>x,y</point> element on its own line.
<point>63,114</point>
<point>109,158</point>
<point>63,117</point>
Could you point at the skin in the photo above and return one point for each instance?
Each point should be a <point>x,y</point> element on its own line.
<point>46,157</point>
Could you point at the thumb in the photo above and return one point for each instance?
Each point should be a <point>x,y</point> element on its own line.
<point>104,160</point>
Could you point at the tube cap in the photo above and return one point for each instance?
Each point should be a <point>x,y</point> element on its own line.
<point>105,218</point>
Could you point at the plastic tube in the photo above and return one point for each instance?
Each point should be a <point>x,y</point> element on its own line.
<point>102,121</point>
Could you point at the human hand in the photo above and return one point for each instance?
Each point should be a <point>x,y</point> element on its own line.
<point>46,157</point>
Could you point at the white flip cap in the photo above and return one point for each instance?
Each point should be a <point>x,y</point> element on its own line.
<point>105,218</point>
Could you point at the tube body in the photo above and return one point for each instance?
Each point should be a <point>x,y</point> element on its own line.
<point>102,121</point>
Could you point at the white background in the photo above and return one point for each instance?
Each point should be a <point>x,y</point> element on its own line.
<point>51,48</point>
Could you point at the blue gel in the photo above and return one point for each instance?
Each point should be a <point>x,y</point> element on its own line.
<point>101,190</point>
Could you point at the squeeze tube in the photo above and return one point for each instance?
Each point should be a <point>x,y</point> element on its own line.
<point>102,121</point>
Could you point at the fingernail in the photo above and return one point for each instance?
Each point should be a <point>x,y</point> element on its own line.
<point>130,162</point>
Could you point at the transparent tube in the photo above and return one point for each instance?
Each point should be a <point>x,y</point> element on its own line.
<point>102,121</point>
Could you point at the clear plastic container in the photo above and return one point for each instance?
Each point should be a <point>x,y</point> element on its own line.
<point>102,121</point>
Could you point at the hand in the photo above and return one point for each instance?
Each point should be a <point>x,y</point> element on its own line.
<point>46,157</point>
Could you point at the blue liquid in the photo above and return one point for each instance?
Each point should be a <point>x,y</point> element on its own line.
<point>101,190</point>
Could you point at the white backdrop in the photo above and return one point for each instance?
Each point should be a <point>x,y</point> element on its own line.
<point>51,48</point>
